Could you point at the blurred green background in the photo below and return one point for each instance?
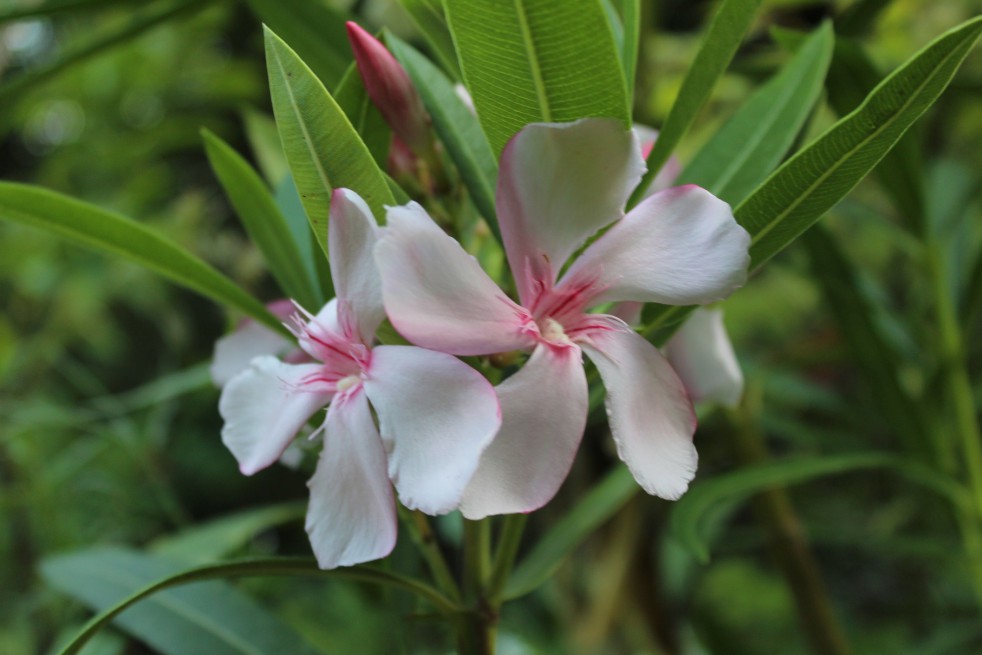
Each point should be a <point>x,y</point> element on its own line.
<point>109,431</point>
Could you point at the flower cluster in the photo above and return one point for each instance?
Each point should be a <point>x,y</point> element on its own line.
<point>441,435</point>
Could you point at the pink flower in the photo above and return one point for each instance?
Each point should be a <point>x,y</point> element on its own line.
<point>234,351</point>
<point>559,184</point>
<point>435,414</point>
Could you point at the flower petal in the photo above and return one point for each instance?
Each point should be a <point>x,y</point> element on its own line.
<point>681,246</point>
<point>669,172</point>
<point>235,350</point>
<point>352,234</point>
<point>559,183</point>
<point>650,415</point>
<point>701,354</point>
<point>437,415</point>
<point>436,294</point>
<point>351,517</point>
<point>544,407</point>
<point>264,406</point>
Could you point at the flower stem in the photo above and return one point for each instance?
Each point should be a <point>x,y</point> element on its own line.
<point>476,628</point>
<point>423,536</point>
<point>505,553</point>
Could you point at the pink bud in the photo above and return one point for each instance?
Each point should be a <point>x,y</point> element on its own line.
<point>389,87</point>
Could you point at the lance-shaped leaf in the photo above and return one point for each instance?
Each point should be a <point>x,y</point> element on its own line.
<point>109,232</point>
<point>697,508</point>
<point>748,147</point>
<point>432,23</point>
<point>528,61</point>
<point>262,220</point>
<point>817,177</point>
<point>457,126</point>
<point>322,147</point>
<point>731,22</point>
<point>364,116</point>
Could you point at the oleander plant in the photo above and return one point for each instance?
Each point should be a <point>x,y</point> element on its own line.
<point>538,326</point>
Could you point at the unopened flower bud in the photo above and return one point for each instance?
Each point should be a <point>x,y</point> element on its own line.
<point>392,92</point>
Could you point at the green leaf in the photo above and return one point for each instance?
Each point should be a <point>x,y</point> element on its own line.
<point>859,17</point>
<point>210,618</point>
<point>592,511</point>
<point>432,23</point>
<point>696,508</point>
<point>753,142</point>
<point>364,116</point>
<point>288,201</point>
<point>527,61</point>
<point>264,140</point>
<point>134,26</point>
<point>456,125</point>
<point>631,16</point>
<point>323,149</point>
<point>19,9</point>
<point>118,235</point>
<point>725,33</point>
<point>817,177</point>
<point>314,30</point>
<point>136,583</point>
<point>210,541</point>
<point>262,220</point>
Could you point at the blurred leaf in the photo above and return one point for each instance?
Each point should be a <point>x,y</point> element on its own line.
<point>134,26</point>
<point>264,140</point>
<point>528,61</point>
<point>731,22</point>
<point>457,126</point>
<point>748,147</point>
<point>18,9</point>
<point>97,572</point>
<point>314,30</point>
<point>212,618</point>
<point>109,232</point>
<point>364,116</point>
<point>818,176</point>
<point>859,17</point>
<point>321,145</point>
<point>265,224</point>
<point>630,11</point>
<point>432,23</point>
<point>697,507</point>
<point>288,201</point>
<point>210,541</point>
<point>589,513</point>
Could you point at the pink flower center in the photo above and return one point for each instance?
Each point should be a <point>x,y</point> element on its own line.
<point>551,332</point>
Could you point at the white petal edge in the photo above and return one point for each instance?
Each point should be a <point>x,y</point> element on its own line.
<point>264,407</point>
<point>235,350</point>
<point>436,294</point>
<point>544,408</point>
<point>436,415</point>
<point>558,184</point>
<point>681,246</point>
<point>352,516</point>
<point>702,355</point>
<point>650,415</point>
<point>352,235</point>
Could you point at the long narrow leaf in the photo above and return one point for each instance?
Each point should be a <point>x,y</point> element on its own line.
<point>262,220</point>
<point>753,142</point>
<point>691,512</point>
<point>353,100</point>
<point>19,9</point>
<point>432,23</point>
<point>526,61</point>
<point>279,566</point>
<point>817,177</point>
<point>725,33</point>
<point>457,126</point>
<point>109,232</point>
<point>322,147</point>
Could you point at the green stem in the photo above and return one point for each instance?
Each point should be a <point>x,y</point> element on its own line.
<point>425,539</point>
<point>476,627</point>
<point>504,555</point>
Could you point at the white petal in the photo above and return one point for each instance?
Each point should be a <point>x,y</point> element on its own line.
<point>264,406</point>
<point>650,415</point>
<point>544,407</point>
<point>701,354</point>
<point>352,234</point>
<point>559,183</point>
<point>351,517</point>
<point>669,171</point>
<point>436,294</point>
<point>437,415</point>
<point>235,350</point>
<point>679,247</point>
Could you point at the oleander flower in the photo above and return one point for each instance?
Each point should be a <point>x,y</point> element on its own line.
<point>435,414</point>
<point>560,184</point>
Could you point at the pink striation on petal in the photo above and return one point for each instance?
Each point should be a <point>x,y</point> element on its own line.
<point>559,183</point>
<point>436,294</point>
<point>265,406</point>
<point>436,415</point>
<point>544,408</point>
<point>352,516</point>
<point>650,415</point>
